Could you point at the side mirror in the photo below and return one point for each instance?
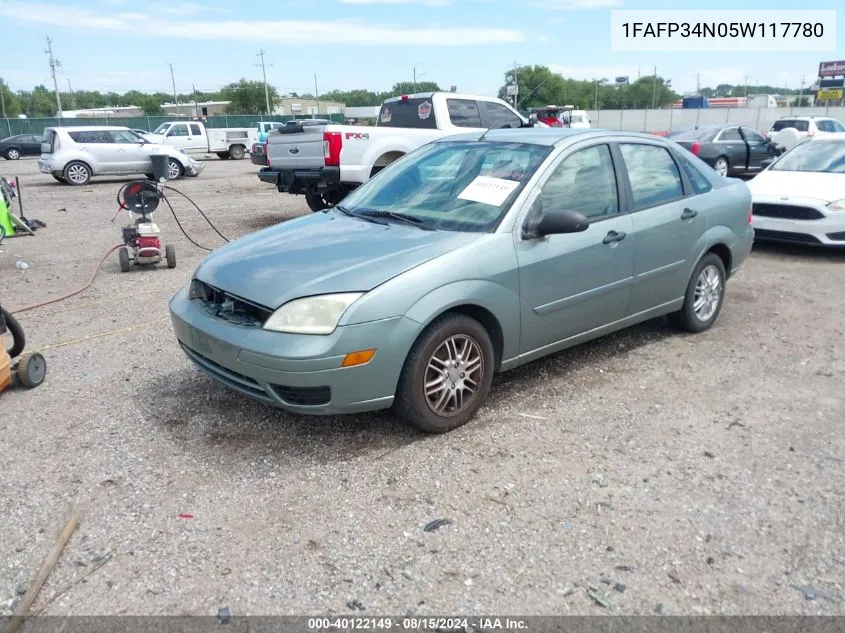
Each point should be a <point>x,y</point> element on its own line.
<point>540,223</point>
<point>532,119</point>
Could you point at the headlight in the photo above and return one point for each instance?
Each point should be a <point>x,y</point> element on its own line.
<point>311,315</point>
<point>837,205</point>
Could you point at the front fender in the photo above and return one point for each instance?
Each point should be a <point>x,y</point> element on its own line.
<point>501,302</point>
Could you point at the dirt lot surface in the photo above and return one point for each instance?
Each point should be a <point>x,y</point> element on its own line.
<point>703,474</point>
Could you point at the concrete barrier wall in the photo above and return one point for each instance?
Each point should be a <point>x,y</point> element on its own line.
<point>673,120</point>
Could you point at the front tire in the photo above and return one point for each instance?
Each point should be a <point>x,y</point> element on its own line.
<point>77,173</point>
<point>31,370</point>
<point>704,297</point>
<point>123,258</point>
<point>722,166</point>
<point>174,169</point>
<point>447,375</point>
<point>170,255</point>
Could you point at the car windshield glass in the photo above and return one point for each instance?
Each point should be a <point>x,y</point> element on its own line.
<point>700,134</point>
<point>453,186</point>
<point>161,129</point>
<point>819,156</point>
<point>801,126</point>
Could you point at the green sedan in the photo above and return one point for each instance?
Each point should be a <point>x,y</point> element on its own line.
<point>470,256</point>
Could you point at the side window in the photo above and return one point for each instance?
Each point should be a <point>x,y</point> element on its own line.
<point>195,130</point>
<point>836,126</point>
<point>180,129</point>
<point>751,136</point>
<point>653,174</point>
<point>463,113</point>
<point>91,136</point>
<point>501,117</point>
<point>123,136</point>
<point>699,181</point>
<point>730,134</point>
<point>584,182</point>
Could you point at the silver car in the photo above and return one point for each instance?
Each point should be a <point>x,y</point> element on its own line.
<point>73,155</point>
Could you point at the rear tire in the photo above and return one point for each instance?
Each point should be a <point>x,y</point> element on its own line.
<point>237,152</point>
<point>316,202</point>
<point>77,173</point>
<point>15,329</point>
<point>722,166</point>
<point>123,258</point>
<point>447,375</point>
<point>704,298</point>
<point>170,255</point>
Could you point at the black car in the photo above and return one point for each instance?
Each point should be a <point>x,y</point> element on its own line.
<point>732,150</point>
<point>14,147</point>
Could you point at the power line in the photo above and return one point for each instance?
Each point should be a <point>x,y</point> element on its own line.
<point>54,64</point>
<point>261,54</point>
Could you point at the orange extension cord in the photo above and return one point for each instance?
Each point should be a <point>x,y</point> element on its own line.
<point>75,292</point>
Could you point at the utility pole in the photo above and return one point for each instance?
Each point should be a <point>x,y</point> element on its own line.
<point>415,79</point>
<point>698,85</point>
<point>515,83</point>
<point>54,63</point>
<point>746,86</point>
<point>801,93</point>
<point>261,54</point>
<point>316,94</point>
<point>597,96</point>
<point>175,97</point>
<point>70,91</point>
<point>196,105</point>
<point>3,98</point>
<point>654,90</point>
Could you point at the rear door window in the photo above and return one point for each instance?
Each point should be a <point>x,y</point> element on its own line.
<point>729,134</point>
<point>91,136</point>
<point>653,175</point>
<point>195,130</point>
<point>464,113</point>
<point>801,126</point>
<point>500,116</point>
<point>413,113</point>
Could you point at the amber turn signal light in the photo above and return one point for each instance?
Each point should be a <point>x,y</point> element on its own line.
<point>358,358</point>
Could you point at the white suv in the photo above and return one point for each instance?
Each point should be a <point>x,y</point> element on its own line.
<point>73,155</point>
<point>808,126</point>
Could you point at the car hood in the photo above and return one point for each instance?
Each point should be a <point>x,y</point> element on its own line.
<point>797,184</point>
<point>322,253</point>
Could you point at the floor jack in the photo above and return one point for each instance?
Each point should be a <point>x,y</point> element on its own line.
<point>141,238</point>
<point>29,370</point>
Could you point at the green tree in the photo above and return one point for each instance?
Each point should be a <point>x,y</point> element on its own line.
<point>247,97</point>
<point>150,105</point>
<point>409,87</point>
<point>354,98</point>
<point>38,103</point>
<point>12,104</point>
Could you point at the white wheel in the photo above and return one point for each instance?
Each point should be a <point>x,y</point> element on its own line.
<point>174,169</point>
<point>721,166</point>
<point>77,173</point>
<point>13,154</point>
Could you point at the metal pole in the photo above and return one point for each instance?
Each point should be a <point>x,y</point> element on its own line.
<point>54,63</point>
<point>597,96</point>
<point>3,105</point>
<point>671,113</point>
<point>261,54</point>
<point>654,90</point>
<point>516,83</point>
<point>316,95</point>
<point>415,79</point>
<point>175,96</point>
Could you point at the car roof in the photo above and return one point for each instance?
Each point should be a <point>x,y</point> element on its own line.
<point>804,117</point>
<point>544,136</point>
<point>87,128</point>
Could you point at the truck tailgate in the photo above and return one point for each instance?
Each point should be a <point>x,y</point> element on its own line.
<point>300,147</point>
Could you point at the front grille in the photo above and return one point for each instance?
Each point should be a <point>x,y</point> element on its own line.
<point>786,211</point>
<point>303,396</point>
<point>228,307</point>
<point>840,236</point>
<point>784,236</point>
<point>228,377</point>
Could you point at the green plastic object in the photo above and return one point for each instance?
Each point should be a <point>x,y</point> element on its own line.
<point>5,219</point>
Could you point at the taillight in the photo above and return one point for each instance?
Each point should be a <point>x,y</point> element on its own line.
<point>332,144</point>
<point>695,148</point>
<point>267,152</point>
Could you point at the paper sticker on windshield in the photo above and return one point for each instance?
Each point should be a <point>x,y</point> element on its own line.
<point>492,191</point>
<point>385,115</point>
<point>424,110</point>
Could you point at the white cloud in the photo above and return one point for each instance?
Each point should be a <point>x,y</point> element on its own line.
<point>187,8</point>
<point>291,32</point>
<point>543,38</point>
<point>595,72</point>
<point>430,3</point>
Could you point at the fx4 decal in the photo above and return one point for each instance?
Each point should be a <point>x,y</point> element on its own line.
<point>358,135</point>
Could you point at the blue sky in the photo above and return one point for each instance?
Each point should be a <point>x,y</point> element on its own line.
<point>115,45</point>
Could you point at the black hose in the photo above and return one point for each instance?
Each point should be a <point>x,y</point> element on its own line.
<point>15,329</point>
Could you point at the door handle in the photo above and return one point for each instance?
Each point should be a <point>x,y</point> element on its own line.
<point>613,236</point>
<point>689,214</point>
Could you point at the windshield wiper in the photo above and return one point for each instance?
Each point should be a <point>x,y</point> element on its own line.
<point>399,217</point>
<point>352,214</point>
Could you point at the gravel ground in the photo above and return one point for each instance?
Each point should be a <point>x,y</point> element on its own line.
<point>700,473</point>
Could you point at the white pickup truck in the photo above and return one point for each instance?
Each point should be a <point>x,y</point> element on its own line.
<point>193,138</point>
<point>325,162</point>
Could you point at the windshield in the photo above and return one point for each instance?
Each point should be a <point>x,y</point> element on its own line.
<point>818,156</point>
<point>453,186</point>
<point>161,129</point>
